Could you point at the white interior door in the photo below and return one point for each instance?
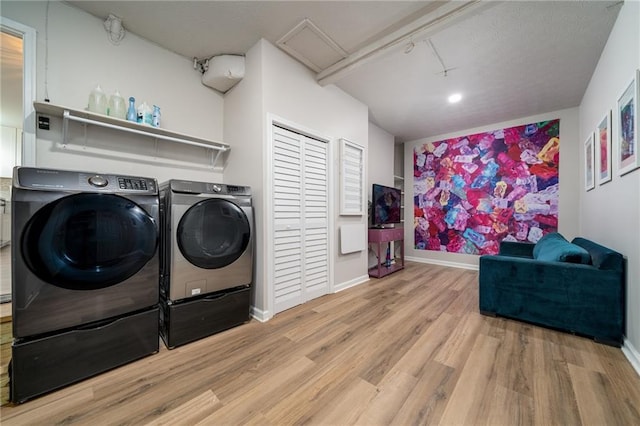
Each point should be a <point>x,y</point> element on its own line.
<point>300,218</point>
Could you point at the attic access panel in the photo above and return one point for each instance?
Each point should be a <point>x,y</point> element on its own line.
<point>310,45</point>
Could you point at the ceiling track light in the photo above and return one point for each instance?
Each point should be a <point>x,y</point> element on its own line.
<point>437,55</point>
<point>114,28</point>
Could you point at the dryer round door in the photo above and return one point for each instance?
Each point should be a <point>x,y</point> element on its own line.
<point>213,233</point>
<point>88,241</point>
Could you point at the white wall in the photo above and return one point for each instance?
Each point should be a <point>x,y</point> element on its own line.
<point>569,178</point>
<point>276,86</point>
<point>609,214</point>
<point>243,130</point>
<point>381,151</point>
<point>398,160</point>
<point>291,92</point>
<point>80,57</point>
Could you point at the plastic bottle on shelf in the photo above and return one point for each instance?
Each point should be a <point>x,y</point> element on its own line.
<point>155,117</point>
<point>131,112</point>
<point>98,101</point>
<point>140,113</point>
<point>117,107</point>
<point>144,114</point>
<point>148,115</point>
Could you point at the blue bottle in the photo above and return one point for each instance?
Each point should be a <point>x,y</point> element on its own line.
<point>131,112</point>
<point>155,117</point>
<point>387,261</point>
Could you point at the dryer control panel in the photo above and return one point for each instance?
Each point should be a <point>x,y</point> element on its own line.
<point>49,179</point>
<point>190,187</point>
<point>238,190</point>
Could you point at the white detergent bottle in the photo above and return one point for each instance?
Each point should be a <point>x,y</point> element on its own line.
<point>98,101</point>
<point>117,106</point>
<point>144,114</point>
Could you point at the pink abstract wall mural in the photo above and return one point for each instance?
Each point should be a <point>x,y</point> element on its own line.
<point>472,192</point>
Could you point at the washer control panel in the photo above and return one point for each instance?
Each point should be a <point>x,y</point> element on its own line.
<point>48,179</point>
<point>132,183</point>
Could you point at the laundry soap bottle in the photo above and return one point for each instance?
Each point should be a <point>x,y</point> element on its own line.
<point>155,116</point>
<point>98,101</point>
<point>145,114</point>
<point>117,107</point>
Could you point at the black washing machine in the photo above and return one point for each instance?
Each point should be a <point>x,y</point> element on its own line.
<point>85,280</point>
<point>207,246</point>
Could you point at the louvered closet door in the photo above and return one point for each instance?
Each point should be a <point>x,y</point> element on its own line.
<point>316,220</point>
<point>300,202</point>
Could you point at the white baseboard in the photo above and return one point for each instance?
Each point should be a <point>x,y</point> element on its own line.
<point>351,283</point>
<point>264,316</point>
<point>442,263</point>
<point>632,355</point>
<point>260,315</point>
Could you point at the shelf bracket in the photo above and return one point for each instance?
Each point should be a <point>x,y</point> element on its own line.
<point>215,155</point>
<point>65,127</point>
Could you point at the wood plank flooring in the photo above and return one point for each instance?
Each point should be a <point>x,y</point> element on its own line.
<point>410,348</point>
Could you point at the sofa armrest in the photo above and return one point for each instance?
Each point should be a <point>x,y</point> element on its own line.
<point>601,256</point>
<point>516,249</point>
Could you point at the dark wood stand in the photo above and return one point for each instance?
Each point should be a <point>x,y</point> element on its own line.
<point>386,235</point>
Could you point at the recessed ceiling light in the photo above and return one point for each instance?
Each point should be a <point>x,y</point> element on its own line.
<point>455,98</point>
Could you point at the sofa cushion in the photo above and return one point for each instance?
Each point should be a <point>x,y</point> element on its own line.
<point>553,247</point>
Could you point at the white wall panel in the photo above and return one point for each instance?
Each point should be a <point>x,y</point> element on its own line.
<point>609,214</point>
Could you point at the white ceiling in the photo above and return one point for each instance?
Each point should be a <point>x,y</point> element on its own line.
<point>508,59</point>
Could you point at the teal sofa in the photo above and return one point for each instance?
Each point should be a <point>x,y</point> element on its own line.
<point>576,293</point>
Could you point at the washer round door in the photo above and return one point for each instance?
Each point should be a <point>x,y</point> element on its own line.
<point>213,233</point>
<point>89,241</point>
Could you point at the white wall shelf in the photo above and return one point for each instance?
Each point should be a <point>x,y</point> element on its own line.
<point>91,118</point>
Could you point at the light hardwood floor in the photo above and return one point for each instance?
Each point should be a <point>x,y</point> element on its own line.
<point>410,348</point>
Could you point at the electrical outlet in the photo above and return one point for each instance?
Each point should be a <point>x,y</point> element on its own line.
<point>43,122</point>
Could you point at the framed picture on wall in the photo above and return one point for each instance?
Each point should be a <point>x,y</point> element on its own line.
<point>603,149</point>
<point>589,163</point>
<point>627,121</point>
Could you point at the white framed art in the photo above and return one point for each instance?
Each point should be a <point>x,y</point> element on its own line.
<point>603,149</point>
<point>627,123</point>
<point>589,172</point>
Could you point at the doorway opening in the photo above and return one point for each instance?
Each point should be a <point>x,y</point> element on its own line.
<point>17,126</point>
<point>11,124</point>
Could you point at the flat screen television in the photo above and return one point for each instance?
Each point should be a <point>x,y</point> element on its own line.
<point>386,205</point>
